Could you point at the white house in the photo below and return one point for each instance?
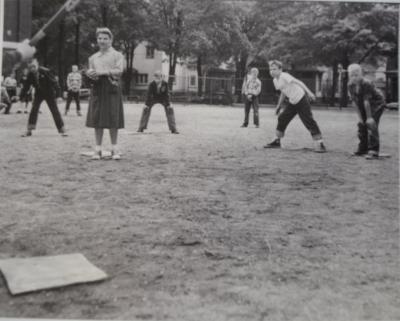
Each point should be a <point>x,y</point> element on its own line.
<point>147,60</point>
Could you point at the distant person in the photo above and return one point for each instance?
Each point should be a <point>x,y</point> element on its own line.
<point>158,93</point>
<point>251,90</point>
<point>5,101</point>
<point>105,104</point>
<point>46,89</point>
<point>10,83</point>
<point>26,98</point>
<point>370,104</point>
<point>296,91</point>
<point>74,84</point>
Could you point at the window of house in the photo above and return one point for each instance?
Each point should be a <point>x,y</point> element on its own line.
<point>192,81</point>
<point>142,79</point>
<point>150,52</point>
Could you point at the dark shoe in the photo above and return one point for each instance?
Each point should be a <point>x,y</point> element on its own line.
<point>25,112</point>
<point>360,152</point>
<point>257,126</point>
<point>79,113</point>
<point>243,126</point>
<point>27,133</point>
<point>276,143</point>
<point>63,132</point>
<point>320,148</point>
<point>174,132</point>
<point>372,154</point>
<point>140,130</point>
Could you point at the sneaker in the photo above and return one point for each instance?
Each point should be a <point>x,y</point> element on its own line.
<point>320,148</point>
<point>115,155</point>
<point>359,152</point>
<point>372,154</point>
<point>96,155</point>
<point>276,143</point>
<point>27,133</point>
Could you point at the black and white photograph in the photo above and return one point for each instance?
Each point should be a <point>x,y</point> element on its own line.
<point>189,160</point>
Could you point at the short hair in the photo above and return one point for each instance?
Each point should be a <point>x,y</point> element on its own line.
<point>33,61</point>
<point>354,67</point>
<point>75,66</point>
<point>254,69</point>
<point>105,31</point>
<point>276,63</point>
<point>158,73</point>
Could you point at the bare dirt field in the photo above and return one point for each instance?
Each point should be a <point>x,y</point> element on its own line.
<point>205,225</point>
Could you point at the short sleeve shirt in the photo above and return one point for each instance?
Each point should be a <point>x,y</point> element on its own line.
<point>290,89</point>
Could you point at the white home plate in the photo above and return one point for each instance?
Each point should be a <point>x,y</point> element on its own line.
<point>47,272</point>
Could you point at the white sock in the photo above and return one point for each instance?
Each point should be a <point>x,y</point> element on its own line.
<point>319,141</point>
<point>114,148</point>
<point>98,148</point>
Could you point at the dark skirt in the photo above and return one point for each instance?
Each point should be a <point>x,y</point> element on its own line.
<point>105,105</point>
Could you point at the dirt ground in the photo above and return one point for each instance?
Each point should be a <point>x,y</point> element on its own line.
<point>206,225</point>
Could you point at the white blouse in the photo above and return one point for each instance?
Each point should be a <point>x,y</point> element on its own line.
<point>110,61</point>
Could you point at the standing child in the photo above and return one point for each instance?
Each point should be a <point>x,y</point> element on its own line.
<point>11,86</point>
<point>296,91</point>
<point>46,88</point>
<point>26,98</point>
<point>105,104</point>
<point>370,104</point>
<point>158,93</point>
<point>74,84</point>
<point>251,90</point>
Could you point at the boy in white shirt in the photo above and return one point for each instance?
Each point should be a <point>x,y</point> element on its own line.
<point>296,91</point>
<point>251,90</point>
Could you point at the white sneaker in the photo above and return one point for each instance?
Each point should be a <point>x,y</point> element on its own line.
<point>96,155</point>
<point>115,155</point>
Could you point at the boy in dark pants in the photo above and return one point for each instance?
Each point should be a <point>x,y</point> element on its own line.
<point>296,91</point>
<point>158,93</point>
<point>74,84</point>
<point>370,104</point>
<point>46,88</point>
<point>251,91</point>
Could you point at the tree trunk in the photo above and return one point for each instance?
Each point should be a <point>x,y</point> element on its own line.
<point>173,59</point>
<point>60,54</point>
<point>104,14</point>
<point>240,73</point>
<point>334,82</point>
<point>199,76</point>
<point>129,55</point>
<point>345,78</point>
<point>77,41</point>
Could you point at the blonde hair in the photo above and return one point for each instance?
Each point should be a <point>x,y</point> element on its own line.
<point>105,31</point>
<point>354,67</point>
<point>254,69</point>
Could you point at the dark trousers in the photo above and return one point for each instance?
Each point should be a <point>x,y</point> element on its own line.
<point>253,102</point>
<point>369,135</point>
<point>302,108</point>
<point>51,102</point>
<point>75,96</point>
<point>11,92</point>
<point>169,111</point>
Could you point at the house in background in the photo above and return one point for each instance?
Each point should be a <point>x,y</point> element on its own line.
<point>147,60</point>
